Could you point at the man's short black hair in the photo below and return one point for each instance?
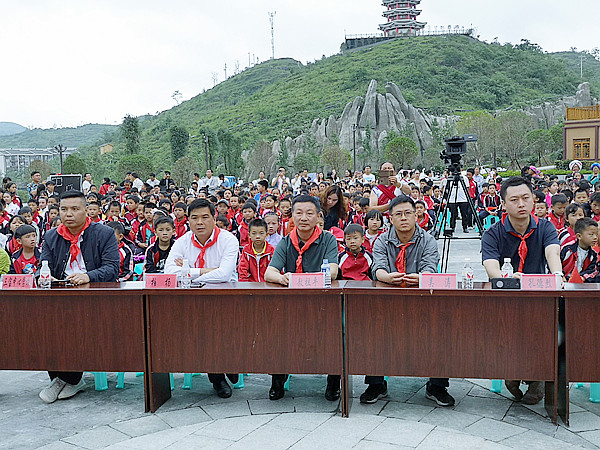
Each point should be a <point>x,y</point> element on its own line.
<point>180,205</point>
<point>363,201</point>
<point>559,198</point>
<point>223,219</point>
<point>514,182</point>
<point>401,199</point>
<point>117,226</point>
<point>33,173</point>
<point>307,199</point>
<point>354,228</point>
<point>581,190</point>
<point>149,205</point>
<point>72,194</point>
<point>199,204</point>
<point>24,230</point>
<point>263,183</point>
<point>580,225</point>
<point>595,197</point>
<point>257,223</point>
<point>135,198</point>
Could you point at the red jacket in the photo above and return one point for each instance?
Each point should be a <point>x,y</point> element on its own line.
<point>244,233</point>
<point>181,227</point>
<point>252,267</point>
<point>355,267</point>
<point>558,222</point>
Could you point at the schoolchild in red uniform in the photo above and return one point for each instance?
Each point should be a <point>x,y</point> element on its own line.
<point>257,253</point>
<point>355,261</point>
<point>26,259</point>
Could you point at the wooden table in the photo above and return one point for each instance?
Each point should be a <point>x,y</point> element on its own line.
<point>97,327</point>
<point>243,328</point>
<point>483,333</point>
<point>581,345</point>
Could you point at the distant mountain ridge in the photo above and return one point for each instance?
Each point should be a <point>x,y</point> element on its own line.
<point>10,128</point>
<point>90,134</point>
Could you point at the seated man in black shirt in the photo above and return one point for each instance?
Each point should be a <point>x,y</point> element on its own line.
<point>530,243</point>
<point>303,251</point>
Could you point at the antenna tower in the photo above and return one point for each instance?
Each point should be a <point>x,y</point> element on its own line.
<point>272,20</point>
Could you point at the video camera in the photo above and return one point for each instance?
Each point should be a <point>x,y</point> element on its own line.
<point>456,146</point>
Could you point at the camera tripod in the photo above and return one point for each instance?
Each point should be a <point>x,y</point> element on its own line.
<point>454,181</point>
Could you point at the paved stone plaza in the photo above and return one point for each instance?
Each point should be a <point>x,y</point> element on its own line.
<point>197,418</point>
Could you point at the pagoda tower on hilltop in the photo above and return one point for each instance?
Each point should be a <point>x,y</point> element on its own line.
<point>401,18</point>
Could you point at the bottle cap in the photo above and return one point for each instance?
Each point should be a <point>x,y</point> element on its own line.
<point>325,261</point>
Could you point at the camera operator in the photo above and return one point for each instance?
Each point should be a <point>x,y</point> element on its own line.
<point>456,200</point>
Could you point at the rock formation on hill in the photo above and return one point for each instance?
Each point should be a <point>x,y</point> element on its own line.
<point>381,113</point>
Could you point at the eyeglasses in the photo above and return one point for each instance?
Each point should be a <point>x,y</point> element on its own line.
<point>403,214</point>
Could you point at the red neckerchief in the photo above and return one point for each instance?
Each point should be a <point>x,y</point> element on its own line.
<point>144,234</point>
<point>180,229</point>
<point>203,248</point>
<point>388,193</point>
<point>596,217</point>
<point>560,221</point>
<point>296,243</point>
<point>423,224</point>
<point>523,244</point>
<point>63,231</point>
<point>35,217</point>
<point>4,217</point>
<point>401,259</point>
<point>14,246</point>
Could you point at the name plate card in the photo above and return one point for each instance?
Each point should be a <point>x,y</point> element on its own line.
<point>438,281</point>
<point>12,281</point>
<point>539,282</point>
<point>160,280</point>
<point>307,280</point>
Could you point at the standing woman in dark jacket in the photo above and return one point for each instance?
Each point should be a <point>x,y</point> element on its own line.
<point>334,207</point>
<point>81,251</point>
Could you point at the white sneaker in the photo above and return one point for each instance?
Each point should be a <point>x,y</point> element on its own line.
<point>71,389</point>
<point>50,394</point>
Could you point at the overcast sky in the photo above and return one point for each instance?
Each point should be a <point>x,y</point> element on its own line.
<point>67,63</point>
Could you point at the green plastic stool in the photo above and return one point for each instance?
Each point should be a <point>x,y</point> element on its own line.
<point>286,386</point>
<point>595,392</point>
<point>240,384</point>
<point>100,381</point>
<point>187,380</point>
<point>496,386</point>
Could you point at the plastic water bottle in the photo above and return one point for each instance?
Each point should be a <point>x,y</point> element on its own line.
<point>327,271</point>
<point>186,276</point>
<point>467,276</point>
<point>45,280</point>
<point>507,269</point>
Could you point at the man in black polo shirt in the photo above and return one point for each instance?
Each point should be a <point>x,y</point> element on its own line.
<point>303,251</point>
<point>532,246</point>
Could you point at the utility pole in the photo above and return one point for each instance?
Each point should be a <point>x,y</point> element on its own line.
<point>206,151</point>
<point>354,127</point>
<point>60,149</point>
<point>272,20</point>
<point>225,70</point>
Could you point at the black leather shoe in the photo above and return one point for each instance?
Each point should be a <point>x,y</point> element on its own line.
<point>223,389</point>
<point>233,377</point>
<point>332,392</point>
<point>276,392</point>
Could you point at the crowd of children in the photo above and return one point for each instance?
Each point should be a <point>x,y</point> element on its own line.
<point>147,221</point>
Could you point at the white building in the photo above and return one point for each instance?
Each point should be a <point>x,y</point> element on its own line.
<point>20,158</point>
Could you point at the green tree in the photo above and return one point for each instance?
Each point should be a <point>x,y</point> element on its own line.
<point>130,132</point>
<point>40,166</point>
<point>513,127</point>
<point>335,157</point>
<point>74,163</point>
<point>135,163</point>
<point>308,159</point>
<point>482,124</point>
<point>539,143</point>
<point>179,138</point>
<point>400,150</point>
<point>183,170</point>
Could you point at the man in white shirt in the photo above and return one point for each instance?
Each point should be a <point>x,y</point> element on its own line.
<point>458,199</point>
<point>368,177</point>
<point>211,182</point>
<point>137,183</point>
<point>153,181</point>
<point>87,183</point>
<point>280,179</point>
<point>212,254</point>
